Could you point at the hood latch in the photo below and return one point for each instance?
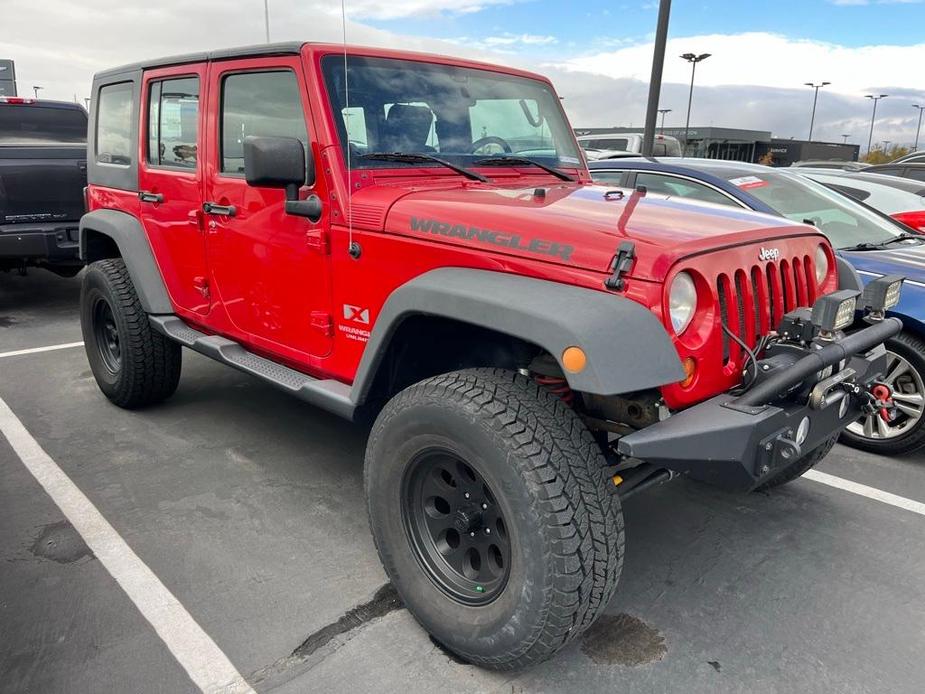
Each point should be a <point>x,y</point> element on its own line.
<point>620,265</point>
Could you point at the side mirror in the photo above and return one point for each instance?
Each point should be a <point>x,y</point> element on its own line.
<point>279,162</point>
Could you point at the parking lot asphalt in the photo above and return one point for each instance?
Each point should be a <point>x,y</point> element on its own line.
<point>248,506</point>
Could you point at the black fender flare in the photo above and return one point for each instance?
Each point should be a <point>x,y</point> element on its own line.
<point>130,238</point>
<point>627,347</point>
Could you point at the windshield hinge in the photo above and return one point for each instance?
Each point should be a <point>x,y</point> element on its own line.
<point>621,264</point>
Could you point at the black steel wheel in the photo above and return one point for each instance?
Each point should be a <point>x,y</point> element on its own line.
<point>456,528</point>
<point>107,334</point>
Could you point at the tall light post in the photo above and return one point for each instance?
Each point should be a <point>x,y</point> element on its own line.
<point>664,112</point>
<point>266,18</point>
<point>919,128</point>
<point>693,60</point>
<point>655,82</point>
<point>816,88</point>
<point>844,139</point>
<point>35,90</point>
<point>873,117</point>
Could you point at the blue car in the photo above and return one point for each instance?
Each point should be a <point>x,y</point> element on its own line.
<point>871,244</point>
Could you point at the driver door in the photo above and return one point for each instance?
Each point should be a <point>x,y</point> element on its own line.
<point>269,270</point>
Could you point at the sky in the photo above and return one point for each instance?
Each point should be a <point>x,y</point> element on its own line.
<point>598,53</point>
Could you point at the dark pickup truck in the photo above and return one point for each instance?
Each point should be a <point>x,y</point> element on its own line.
<point>43,171</point>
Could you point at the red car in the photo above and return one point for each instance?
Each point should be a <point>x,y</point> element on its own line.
<point>417,239</point>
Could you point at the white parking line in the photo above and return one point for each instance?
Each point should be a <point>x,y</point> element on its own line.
<point>36,350</point>
<point>863,490</point>
<point>202,659</point>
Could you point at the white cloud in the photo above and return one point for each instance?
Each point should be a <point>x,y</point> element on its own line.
<point>395,9</point>
<point>768,60</point>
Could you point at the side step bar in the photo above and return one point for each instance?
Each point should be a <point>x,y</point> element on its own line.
<point>330,395</point>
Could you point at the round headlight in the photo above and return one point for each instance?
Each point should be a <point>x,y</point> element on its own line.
<point>822,264</point>
<point>682,300</point>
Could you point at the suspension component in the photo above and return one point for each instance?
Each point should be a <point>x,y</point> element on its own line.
<point>556,385</point>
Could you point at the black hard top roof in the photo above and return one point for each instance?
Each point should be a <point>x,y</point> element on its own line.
<point>288,48</point>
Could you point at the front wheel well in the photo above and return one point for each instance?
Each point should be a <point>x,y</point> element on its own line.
<point>424,346</point>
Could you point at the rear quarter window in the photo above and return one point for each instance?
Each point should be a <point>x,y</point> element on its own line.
<point>114,124</point>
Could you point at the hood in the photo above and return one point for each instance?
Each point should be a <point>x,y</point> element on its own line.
<point>570,224</point>
<point>906,260</point>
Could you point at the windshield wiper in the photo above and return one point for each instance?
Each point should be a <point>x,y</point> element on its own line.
<point>417,158</point>
<point>522,161</point>
<point>866,246</point>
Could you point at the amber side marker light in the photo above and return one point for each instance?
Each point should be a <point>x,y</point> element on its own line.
<point>574,359</point>
<point>690,369</point>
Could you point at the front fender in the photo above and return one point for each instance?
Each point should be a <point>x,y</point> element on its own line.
<point>627,347</point>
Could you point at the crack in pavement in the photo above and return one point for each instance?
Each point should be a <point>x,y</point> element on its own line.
<point>384,601</point>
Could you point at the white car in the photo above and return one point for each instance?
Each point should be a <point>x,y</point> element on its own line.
<point>664,146</point>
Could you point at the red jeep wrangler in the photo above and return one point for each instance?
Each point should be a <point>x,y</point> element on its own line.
<point>417,238</point>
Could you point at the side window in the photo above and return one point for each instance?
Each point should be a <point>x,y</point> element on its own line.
<point>668,185</point>
<point>611,177</point>
<point>915,174</point>
<point>258,103</point>
<point>173,122</point>
<point>114,124</point>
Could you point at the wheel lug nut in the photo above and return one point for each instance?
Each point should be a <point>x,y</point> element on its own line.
<point>472,534</point>
<point>484,506</point>
<point>488,531</point>
<point>466,495</point>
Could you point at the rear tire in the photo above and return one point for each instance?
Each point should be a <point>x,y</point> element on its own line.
<point>133,365</point>
<point>524,457</point>
<point>801,466</point>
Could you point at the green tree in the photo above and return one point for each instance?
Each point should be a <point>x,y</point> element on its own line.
<point>881,155</point>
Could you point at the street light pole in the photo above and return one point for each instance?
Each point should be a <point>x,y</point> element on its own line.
<point>873,117</point>
<point>816,88</point>
<point>919,128</point>
<point>266,18</point>
<point>664,112</point>
<point>844,139</point>
<point>693,60</point>
<point>655,82</point>
<point>35,90</point>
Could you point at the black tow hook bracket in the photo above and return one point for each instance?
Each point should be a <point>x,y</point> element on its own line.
<point>620,265</point>
<point>776,452</point>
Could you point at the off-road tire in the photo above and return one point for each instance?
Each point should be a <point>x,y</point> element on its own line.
<point>565,524</point>
<point>148,368</point>
<point>912,349</point>
<point>802,465</point>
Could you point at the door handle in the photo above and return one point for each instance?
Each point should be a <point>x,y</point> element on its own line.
<point>145,196</point>
<point>213,208</point>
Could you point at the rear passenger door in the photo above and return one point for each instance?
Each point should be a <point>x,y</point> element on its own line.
<point>170,181</point>
<point>270,269</point>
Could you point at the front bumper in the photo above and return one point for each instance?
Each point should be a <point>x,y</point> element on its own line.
<point>736,443</point>
<point>52,244</point>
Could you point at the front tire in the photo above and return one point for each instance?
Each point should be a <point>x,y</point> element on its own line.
<point>133,365</point>
<point>906,378</point>
<point>490,509</point>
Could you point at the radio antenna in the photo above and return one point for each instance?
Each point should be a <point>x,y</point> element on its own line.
<point>353,250</point>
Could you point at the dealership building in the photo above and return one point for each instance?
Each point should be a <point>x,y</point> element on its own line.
<point>745,145</point>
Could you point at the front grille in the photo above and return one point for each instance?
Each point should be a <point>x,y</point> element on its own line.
<point>752,301</point>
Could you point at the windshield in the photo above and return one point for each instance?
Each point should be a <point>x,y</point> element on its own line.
<point>460,114</point>
<point>29,124</point>
<point>844,222</point>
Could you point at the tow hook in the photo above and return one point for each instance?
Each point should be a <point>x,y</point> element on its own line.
<point>884,401</point>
